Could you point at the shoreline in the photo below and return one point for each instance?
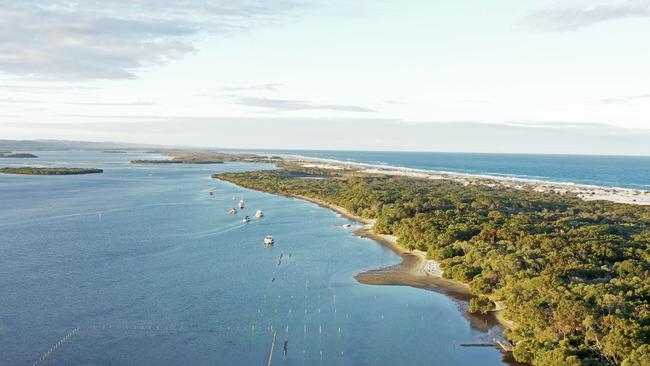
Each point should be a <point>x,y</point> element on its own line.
<point>585,192</point>
<point>414,270</point>
<point>409,272</point>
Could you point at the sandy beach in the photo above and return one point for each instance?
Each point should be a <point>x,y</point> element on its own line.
<point>585,192</point>
<point>415,270</point>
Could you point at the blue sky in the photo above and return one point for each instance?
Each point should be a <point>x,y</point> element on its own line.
<point>525,75</point>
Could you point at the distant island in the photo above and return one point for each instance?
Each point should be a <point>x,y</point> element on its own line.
<point>5,154</point>
<point>49,171</point>
<point>114,152</point>
<point>207,157</point>
<point>157,161</point>
<point>568,277</point>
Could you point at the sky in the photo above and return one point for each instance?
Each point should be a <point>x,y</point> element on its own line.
<point>519,76</point>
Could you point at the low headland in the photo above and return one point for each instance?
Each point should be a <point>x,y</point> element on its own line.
<point>161,161</point>
<point>29,170</point>
<point>567,275</point>
<point>6,154</point>
<point>206,157</point>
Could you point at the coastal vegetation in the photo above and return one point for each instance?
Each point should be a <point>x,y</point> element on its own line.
<point>572,276</point>
<point>207,157</point>
<point>49,171</point>
<point>158,161</point>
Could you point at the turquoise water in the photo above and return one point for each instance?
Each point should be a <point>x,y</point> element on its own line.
<point>607,171</point>
<point>154,271</point>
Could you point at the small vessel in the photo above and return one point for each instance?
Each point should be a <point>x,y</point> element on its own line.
<point>259,214</point>
<point>241,204</point>
<point>246,219</point>
<point>232,211</point>
<point>211,193</point>
<point>268,241</point>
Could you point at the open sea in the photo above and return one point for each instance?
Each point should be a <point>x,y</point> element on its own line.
<point>139,265</point>
<point>598,170</point>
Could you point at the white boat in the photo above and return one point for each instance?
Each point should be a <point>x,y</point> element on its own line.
<point>259,214</point>
<point>232,211</point>
<point>268,241</point>
<point>241,204</point>
<point>246,219</point>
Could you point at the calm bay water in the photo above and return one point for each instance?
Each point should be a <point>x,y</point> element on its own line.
<point>608,171</point>
<point>154,271</point>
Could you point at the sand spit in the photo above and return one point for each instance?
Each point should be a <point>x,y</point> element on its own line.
<point>585,192</point>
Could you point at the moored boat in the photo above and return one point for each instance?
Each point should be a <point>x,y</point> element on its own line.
<point>246,219</point>
<point>259,214</point>
<point>268,241</point>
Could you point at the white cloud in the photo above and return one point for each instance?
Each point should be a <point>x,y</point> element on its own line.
<point>560,17</point>
<point>262,87</point>
<point>623,100</point>
<point>66,40</point>
<point>298,105</point>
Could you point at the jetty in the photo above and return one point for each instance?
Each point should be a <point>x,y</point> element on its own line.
<point>505,345</point>
<point>478,344</point>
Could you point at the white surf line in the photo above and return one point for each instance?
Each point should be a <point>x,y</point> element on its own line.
<point>56,346</point>
<point>450,174</point>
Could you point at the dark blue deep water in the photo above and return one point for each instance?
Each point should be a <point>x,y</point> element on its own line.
<point>608,171</point>
<point>154,271</point>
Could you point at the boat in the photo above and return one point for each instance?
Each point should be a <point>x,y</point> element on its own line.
<point>211,193</point>
<point>246,219</point>
<point>241,204</point>
<point>232,211</point>
<point>268,241</point>
<point>259,214</point>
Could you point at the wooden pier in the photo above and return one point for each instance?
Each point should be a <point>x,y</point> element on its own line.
<point>505,345</point>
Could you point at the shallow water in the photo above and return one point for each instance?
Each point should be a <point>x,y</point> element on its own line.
<point>155,271</point>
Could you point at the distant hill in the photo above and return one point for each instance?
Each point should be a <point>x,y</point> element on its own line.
<point>17,155</point>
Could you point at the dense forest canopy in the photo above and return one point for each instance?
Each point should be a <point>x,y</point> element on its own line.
<point>209,157</point>
<point>49,171</point>
<point>574,276</point>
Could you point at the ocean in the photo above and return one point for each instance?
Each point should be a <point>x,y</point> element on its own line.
<point>607,171</point>
<point>139,265</point>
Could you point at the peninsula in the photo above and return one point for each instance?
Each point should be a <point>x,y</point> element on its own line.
<point>207,157</point>
<point>568,275</point>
